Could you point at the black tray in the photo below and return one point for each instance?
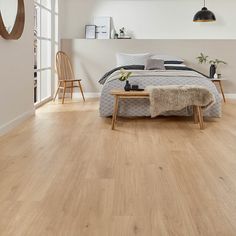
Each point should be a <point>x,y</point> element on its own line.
<point>139,89</point>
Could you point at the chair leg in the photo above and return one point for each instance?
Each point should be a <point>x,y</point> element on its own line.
<point>81,90</point>
<point>71,90</point>
<point>54,98</point>
<point>64,93</point>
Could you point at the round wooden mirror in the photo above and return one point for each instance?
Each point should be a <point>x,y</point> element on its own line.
<point>12,19</point>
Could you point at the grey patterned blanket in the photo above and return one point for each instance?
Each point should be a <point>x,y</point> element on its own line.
<point>143,78</point>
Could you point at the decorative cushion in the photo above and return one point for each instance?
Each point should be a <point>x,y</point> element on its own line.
<point>175,65</point>
<point>155,64</point>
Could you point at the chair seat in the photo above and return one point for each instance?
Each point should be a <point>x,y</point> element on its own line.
<point>71,80</point>
<point>62,87</point>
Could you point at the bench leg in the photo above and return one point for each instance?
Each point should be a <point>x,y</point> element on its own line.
<point>195,115</point>
<point>200,117</point>
<point>115,112</point>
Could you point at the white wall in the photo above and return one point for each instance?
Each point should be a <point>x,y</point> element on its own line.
<point>93,58</point>
<point>151,19</point>
<point>16,75</point>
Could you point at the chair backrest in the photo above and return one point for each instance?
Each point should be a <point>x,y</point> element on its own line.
<point>64,67</point>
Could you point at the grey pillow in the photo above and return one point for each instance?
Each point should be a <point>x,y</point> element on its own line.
<point>155,64</point>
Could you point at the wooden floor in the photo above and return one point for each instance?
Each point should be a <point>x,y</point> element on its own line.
<point>64,172</point>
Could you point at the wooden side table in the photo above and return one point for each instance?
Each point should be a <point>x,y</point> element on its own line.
<point>219,81</point>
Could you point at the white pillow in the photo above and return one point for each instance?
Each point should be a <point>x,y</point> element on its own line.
<point>176,65</point>
<point>167,58</point>
<point>123,59</point>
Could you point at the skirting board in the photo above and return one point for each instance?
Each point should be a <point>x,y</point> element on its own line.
<point>230,95</point>
<point>14,123</point>
<point>43,102</point>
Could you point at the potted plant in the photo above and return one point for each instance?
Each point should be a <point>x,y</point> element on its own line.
<point>122,32</point>
<point>214,66</point>
<point>203,59</point>
<point>124,76</point>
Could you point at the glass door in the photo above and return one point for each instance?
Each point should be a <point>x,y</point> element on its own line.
<point>45,44</point>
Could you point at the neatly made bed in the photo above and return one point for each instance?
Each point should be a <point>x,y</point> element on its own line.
<point>163,70</point>
<point>144,78</point>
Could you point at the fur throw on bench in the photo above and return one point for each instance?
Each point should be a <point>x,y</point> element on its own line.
<point>178,97</point>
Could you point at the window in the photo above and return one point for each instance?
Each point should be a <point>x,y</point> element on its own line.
<point>45,46</point>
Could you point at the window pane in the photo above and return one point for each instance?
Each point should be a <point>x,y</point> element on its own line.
<point>46,3</point>
<point>56,48</point>
<point>36,87</point>
<point>45,23</point>
<point>37,20</point>
<point>36,54</point>
<point>45,54</point>
<point>56,28</point>
<point>45,84</point>
<point>56,6</point>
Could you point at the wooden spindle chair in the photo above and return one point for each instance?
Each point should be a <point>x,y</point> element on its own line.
<point>66,76</point>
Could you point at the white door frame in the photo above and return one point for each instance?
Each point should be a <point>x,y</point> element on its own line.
<point>54,44</point>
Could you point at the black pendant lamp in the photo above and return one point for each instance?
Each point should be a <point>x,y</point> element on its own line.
<point>204,15</point>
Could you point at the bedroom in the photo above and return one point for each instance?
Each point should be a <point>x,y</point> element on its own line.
<point>64,171</point>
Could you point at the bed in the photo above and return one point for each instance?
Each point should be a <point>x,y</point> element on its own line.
<point>172,75</point>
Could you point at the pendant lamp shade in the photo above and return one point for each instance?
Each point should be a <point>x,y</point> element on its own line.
<point>204,15</point>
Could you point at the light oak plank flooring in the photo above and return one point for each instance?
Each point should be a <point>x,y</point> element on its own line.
<point>64,172</point>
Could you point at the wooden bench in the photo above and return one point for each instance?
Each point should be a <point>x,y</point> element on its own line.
<point>121,94</point>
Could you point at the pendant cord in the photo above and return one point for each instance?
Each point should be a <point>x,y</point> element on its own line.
<point>204,3</point>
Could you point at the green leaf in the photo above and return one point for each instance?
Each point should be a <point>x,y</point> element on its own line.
<point>124,75</point>
<point>202,59</point>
